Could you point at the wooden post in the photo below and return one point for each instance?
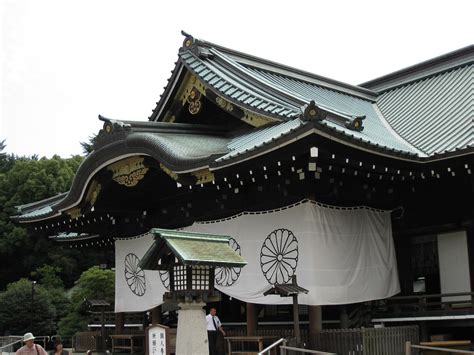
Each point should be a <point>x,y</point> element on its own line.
<point>102,330</point>
<point>315,324</point>
<point>156,315</point>
<point>296,320</point>
<point>251,319</point>
<point>119,322</point>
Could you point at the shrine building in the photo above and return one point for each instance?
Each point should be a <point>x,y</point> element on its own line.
<point>364,192</point>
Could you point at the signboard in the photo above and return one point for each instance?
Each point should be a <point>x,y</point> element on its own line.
<point>157,340</point>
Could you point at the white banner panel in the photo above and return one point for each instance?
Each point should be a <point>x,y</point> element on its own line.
<point>340,255</point>
<point>136,290</point>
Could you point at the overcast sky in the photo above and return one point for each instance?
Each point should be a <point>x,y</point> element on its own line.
<point>64,62</point>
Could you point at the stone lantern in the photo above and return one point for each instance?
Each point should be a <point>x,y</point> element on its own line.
<point>190,259</point>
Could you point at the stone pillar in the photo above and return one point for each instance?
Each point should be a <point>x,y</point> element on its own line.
<point>191,337</point>
<point>156,315</point>
<point>251,319</point>
<point>315,324</point>
<point>119,322</point>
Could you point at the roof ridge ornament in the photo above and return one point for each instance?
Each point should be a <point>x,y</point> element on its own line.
<point>188,41</point>
<point>312,112</point>
<point>356,123</point>
<point>195,46</point>
<point>114,125</point>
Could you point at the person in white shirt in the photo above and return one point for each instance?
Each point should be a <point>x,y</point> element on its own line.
<point>30,348</point>
<point>213,326</point>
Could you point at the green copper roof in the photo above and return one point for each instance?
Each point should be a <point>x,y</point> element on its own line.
<point>434,114</point>
<point>191,248</point>
<point>282,96</point>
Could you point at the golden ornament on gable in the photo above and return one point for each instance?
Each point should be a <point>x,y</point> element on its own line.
<point>224,104</point>
<point>128,171</point>
<point>203,176</point>
<point>74,213</point>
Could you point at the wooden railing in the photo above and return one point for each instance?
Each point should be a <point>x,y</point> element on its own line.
<point>409,347</point>
<point>302,351</point>
<point>109,318</point>
<point>424,305</point>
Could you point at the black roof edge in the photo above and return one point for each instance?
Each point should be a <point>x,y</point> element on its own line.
<point>168,90</point>
<point>97,160</point>
<point>433,66</point>
<point>80,236</point>
<point>166,127</point>
<point>254,61</point>
<point>345,140</point>
<point>41,203</point>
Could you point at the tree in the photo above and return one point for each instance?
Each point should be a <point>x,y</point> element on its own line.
<point>88,147</point>
<point>48,277</point>
<point>6,160</point>
<point>95,283</point>
<point>25,307</point>
<point>27,180</point>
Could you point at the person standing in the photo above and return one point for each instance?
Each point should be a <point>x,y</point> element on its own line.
<point>214,325</point>
<point>30,348</point>
<point>59,350</point>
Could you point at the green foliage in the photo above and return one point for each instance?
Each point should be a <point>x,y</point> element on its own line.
<point>26,180</point>
<point>26,307</point>
<point>88,147</point>
<point>32,180</point>
<point>47,276</point>
<point>95,283</point>
<point>5,160</point>
<point>72,323</point>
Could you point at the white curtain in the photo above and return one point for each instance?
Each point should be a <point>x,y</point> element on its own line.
<point>130,295</point>
<point>340,255</point>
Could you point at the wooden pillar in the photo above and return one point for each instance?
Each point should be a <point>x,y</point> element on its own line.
<point>424,331</point>
<point>156,315</point>
<point>296,320</point>
<point>344,317</point>
<point>314,312</point>
<point>470,253</point>
<point>251,319</point>
<point>315,324</point>
<point>102,330</point>
<point>119,322</point>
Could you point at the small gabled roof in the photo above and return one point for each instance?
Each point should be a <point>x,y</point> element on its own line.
<point>285,290</point>
<point>191,248</point>
<point>97,303</point>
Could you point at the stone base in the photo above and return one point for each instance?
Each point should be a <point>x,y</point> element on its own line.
<point>191,337</point>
